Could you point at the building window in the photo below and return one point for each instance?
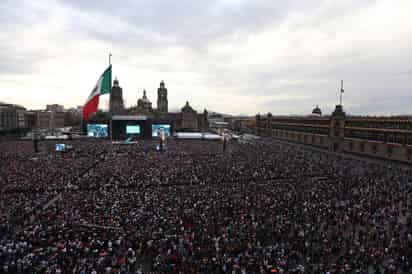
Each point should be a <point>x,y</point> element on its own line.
<point>374,148</point>
<point>409,139</point>
<point>390,151</point>
<point>362,147</point>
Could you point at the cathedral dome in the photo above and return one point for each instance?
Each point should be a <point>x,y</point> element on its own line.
<point>144,98</point>
<point>317,111</point>
<point>187,108</point>
<point>144,104</point>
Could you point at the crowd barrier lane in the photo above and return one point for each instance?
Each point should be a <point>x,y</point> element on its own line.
<point>53,200</point>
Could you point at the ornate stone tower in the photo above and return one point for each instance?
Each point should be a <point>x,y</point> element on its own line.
<point>162,103</point>
<point>116,99</point>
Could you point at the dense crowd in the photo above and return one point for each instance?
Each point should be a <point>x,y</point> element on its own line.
<point>258,207</point>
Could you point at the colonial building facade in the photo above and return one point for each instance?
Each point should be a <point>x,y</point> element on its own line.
<point>381,137</point>
<point>187,119</point>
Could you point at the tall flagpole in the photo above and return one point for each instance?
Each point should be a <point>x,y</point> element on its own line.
<point>111,117</point>
<point>341,92</point>
<point>81,122</point>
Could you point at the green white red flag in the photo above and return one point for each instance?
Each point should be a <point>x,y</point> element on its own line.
<point>103,86</point>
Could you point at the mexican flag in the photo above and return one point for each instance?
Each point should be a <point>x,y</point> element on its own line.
<point>103,86</point>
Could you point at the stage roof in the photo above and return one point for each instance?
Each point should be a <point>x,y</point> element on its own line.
<point>129,117</point>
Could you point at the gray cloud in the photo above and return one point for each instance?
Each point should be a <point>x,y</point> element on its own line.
<point>188,23</point>
<point>15,59</point>
<point>285,56</point>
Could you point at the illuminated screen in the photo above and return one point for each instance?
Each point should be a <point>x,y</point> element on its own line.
<point>97,130</point>
<point>132,129</point>
<point>60,147</point>
<point>156,129</point>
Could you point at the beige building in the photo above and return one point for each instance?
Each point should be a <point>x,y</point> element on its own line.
<point>12,117</point>
<point>380,137</point>
<point>55,108</point>
<point>48,120</point>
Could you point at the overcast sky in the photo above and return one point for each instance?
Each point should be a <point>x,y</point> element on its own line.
<point>231,56</point>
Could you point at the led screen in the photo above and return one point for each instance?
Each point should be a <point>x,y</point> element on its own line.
<point>132,129</point>
<point>156,129</point>
<point>97,130</point>
<point>60,147</point>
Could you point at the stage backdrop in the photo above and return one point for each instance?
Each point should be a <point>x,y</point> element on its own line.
<point>125,126</point>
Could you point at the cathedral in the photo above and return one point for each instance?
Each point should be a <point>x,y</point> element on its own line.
<point>187,119</point>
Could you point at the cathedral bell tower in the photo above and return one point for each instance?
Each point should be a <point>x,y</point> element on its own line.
<point>116,105</point>
<point>162,103</point>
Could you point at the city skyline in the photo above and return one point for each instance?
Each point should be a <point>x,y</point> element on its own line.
<point>234,56</point>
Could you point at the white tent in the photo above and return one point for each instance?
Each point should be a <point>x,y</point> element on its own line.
<point>197,136</point>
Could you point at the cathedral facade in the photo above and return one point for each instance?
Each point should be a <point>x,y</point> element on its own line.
<point>187,119</point>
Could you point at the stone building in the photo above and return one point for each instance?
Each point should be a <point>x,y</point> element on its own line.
<point>188,119</point>
<point>48,120</point>
<point>55,108</point>
<point>381,137</point>
<point>12,117</point>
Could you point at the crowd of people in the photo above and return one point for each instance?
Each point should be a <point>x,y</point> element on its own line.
<point>257,207</point>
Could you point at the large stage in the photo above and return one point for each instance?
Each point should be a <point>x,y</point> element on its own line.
<point>121,127</point>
